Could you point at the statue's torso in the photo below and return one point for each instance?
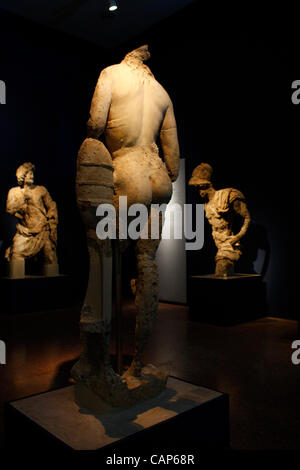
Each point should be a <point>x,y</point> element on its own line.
<point>137,108</point>
<point>218,213</point>
<point>33,210</point>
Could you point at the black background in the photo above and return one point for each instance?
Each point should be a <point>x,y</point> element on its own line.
<point>232,100</point>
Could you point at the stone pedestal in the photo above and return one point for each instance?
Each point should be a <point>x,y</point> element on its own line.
<point>183,416</point>
<point>50,270</point>
<point>35,293</point>
<point>16,268</point>
<point>226,300</point>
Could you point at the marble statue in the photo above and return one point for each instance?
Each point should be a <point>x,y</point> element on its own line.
<point>132,110</point>
<point>220,209</point>
<point>37,226</point>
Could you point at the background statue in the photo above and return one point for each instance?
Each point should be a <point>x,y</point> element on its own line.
<point>132,110</point>
<point>37,227</point>
<point>220,209</point>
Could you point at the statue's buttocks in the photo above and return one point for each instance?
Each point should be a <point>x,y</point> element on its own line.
<point>133,111</point>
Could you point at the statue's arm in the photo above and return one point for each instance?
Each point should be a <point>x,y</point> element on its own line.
<point>15,202</point>
<point>240,208</point>
<point>100,106</point>
<point>169,143</point>
<point>50,206</point>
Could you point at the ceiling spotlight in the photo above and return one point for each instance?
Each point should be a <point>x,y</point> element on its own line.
<point>112,5</point>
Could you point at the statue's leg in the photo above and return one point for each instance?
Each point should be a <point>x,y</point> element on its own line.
<point>224,267</point>
<point>94,185</point>
<point>16,269</point>
<point>15,256</point>
<point>50,267</point>
<point>95,322</point>
<point>146,295</point>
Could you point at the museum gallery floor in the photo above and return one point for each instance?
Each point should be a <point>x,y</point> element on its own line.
<point>250,362</point>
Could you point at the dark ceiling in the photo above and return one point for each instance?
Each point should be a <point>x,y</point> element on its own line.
<point>91,20</point>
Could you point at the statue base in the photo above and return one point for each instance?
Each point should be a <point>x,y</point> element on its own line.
<point>122,392</point>
<point>16,269</point>
<point>184,416</point>
<point>36,293</point>
<point>226,300</point>
<point>50,270</point>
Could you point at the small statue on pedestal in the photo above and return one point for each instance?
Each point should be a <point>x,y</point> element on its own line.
<point>220,209</point>
<point>37,227</point>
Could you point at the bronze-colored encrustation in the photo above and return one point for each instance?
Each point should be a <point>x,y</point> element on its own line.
<point>131,110</point>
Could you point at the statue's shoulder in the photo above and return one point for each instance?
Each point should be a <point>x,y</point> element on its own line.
<point>220,200</point>
<point>16,191</point>
<point>223,198</point>
<point>162,91</point>
<point>40,189</point>
<point>222,192</point>
<point>111,70</point>
<point>235,194</point>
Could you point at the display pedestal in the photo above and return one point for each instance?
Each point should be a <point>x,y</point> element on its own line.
<point>183,416</point>
<point>35,293</point>
<point>226,300</point>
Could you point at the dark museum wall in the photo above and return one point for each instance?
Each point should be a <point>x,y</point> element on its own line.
<point>50,78</point>
<point>232,101</point>
<point>233,107</point>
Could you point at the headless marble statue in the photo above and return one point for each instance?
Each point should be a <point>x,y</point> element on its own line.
<point>132,110</point>
<point>37,227</point>
<point>220,208</point>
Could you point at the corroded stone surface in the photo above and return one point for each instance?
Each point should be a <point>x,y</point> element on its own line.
<point>122,391</point>
<point>132,111</point>
<point>220,208</point>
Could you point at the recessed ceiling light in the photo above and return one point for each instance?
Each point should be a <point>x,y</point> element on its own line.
<point>112,5</point>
